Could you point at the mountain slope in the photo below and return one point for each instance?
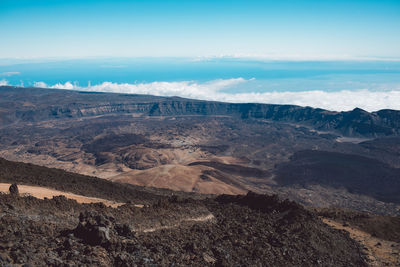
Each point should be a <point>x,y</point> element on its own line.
<point>356,173</point>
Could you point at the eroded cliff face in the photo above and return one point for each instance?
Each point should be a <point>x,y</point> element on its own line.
<point>35,104</point>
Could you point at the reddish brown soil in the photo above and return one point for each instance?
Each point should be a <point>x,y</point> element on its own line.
<point>44,192</point>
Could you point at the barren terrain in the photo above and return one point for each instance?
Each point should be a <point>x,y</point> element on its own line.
<point>317,157</point>
<point>253,229</point>
<point>176,227</point>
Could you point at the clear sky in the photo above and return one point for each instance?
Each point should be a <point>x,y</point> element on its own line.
<point>309,28</point>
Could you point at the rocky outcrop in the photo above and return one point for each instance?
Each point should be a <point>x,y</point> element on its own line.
<point>94,229</point>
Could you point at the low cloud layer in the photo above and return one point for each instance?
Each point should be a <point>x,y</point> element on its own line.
<point>9,73</point>
<point>295,57</point>
<point>214,90</point>
<point>3,82</point>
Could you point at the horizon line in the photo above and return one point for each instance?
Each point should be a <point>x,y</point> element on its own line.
<point>253,57</point>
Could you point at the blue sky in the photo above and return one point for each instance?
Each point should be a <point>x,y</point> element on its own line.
<point>288,29</point>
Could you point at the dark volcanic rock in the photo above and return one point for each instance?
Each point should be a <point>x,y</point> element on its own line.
<point>93,228</point>
<point>356,173</point>
<point>252,230</point>
<point>14,189</point>
<point>262,203</point>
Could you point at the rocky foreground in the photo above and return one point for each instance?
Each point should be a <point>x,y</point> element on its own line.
<point>251,230</point>
<point>160,227</point>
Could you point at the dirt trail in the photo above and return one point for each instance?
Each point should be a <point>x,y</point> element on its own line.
<point>42,192</point>
<point>380,252</point>
<point>199,219</point>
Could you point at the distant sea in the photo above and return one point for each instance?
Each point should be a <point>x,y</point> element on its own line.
<point>311,83</point>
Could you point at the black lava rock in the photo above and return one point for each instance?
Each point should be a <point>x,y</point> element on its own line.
<point>14,189</point>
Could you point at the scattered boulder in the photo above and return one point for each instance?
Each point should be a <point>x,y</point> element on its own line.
<point>123,230</point>
<point>14,189</point>
<point>207,258</point>
<point>93,228</point>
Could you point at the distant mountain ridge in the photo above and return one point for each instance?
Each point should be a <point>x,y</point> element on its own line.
<point>38,104</point>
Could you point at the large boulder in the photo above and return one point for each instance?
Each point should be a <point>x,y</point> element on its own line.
<point>94,229</point>
<point>14,189</point>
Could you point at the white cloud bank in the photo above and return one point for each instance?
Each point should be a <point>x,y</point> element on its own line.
<point>3,82</point>
<point>340,100</point>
